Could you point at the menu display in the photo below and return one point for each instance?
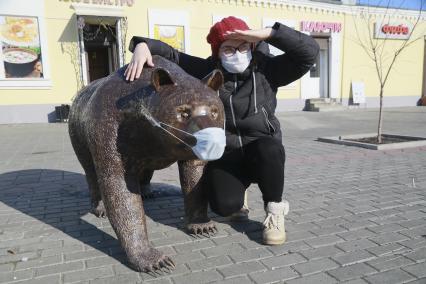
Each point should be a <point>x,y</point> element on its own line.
<point>20,51</point>
<point>172,35</point>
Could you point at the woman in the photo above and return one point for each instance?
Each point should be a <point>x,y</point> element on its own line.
<point>254,152</point>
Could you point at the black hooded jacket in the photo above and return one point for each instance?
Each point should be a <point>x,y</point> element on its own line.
<point>250,107</point>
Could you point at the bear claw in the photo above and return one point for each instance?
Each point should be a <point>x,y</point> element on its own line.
<point>207,229</point>
<point>99,210</point>
<point>151,261</point>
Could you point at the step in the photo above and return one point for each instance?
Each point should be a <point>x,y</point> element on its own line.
<point>325,104</point>
<point>328,109</point>
<point>322,100</point>
<point>325,107</point>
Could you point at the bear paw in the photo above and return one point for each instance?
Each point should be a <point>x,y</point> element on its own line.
<point>153,261</point>
<point>207,229</point>
<point>99,209</point>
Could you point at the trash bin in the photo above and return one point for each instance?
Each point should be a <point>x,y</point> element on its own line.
<point>62,113</point>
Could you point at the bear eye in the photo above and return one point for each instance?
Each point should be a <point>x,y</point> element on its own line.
<point>185,114</point>
<point>214,113</point>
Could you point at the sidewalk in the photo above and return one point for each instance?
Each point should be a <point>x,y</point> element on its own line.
<point>356,215</point>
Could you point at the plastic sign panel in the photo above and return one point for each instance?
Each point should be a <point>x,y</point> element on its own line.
<point>358,92</point>
<point>320,27</point>
<point>172,35</point>
<point>171,27</point>
<point>20,51</point>
<point>393,30</point>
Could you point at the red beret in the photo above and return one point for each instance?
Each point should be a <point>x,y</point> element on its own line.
<point>217,31</point>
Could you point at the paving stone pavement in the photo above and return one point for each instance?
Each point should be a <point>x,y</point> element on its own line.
<point>357,215</point>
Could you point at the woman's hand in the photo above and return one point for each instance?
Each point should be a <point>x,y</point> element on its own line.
<point>141,55</point>
<point>250,35</point>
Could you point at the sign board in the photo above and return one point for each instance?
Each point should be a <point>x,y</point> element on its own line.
<point>392,30</point>
<point>320,27</point>
<point>171,27</point>
<point>358,92</point>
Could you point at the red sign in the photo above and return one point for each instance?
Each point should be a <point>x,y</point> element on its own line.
<point>398,30</point>
<point>321,27</point>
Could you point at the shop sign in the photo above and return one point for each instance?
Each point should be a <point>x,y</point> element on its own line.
<point>171,27</point>
<point>393,30</point>
<point>20,50</point>
<point>103,2</point>
<point>321,27</point>
<point>358,92</point>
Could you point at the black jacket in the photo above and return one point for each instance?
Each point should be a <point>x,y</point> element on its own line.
<point>250,108</point>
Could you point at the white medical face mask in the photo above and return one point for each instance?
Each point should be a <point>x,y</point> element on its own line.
<point>211,143</point>
<point>236,63</point>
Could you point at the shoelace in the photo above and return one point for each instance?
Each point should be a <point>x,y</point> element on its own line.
<point>271,221</point>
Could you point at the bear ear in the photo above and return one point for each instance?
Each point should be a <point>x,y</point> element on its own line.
<point>214,79</point>
<point>161,77</point>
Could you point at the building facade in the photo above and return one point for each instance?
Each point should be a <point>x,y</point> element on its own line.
<point>52,48</point>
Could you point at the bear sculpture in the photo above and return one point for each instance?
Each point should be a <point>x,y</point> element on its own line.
<point>123,131</point>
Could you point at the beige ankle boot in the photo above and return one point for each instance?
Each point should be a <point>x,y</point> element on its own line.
<point>273,226</point>
<point>241,215</point>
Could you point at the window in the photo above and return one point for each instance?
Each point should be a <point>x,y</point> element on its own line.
<point>171,27</point>
<point>171,34</point>
<point>24,62</point>
<point>20,47</point>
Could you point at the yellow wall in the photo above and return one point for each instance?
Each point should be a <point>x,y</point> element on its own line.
<point>62,39</point>
<point>406,76</point>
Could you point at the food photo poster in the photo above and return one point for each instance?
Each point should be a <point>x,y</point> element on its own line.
<point>20,51</point>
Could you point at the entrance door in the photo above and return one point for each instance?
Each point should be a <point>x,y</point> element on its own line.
<point>101,52</point>
<point>97,58</point>
<point>317,82</point>
<point>323,62</point>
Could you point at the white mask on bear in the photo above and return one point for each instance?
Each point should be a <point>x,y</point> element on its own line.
<point>237,62</point>
<point>211,143</point>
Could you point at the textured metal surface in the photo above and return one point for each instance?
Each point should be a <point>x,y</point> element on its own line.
<point>113,130</point>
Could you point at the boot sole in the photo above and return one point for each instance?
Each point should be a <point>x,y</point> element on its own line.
<point>274,242</point>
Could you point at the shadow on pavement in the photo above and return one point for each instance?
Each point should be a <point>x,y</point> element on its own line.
<point>61,200</point>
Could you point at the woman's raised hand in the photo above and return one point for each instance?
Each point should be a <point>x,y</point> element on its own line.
<point>249,35</point>
<point>141,55</point>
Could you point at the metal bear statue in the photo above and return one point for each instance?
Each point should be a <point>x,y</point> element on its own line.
<point>122,131</point>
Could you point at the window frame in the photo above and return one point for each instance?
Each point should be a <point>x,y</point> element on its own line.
<point>20,8</point>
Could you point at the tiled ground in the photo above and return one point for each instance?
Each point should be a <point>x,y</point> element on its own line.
<point>357,216</point>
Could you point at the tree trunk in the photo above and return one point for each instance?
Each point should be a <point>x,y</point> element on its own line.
<point>379,128</point>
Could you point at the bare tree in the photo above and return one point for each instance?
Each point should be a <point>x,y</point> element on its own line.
<point>383,56</point>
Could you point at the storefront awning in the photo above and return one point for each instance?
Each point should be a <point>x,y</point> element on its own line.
<point>82,9</point>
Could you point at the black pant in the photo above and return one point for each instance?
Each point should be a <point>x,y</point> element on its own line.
<point>262,162</point>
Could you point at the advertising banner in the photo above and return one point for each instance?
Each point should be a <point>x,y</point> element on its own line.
<point>20,47</point>
<point>172,35</point>
<point>394,30</point>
